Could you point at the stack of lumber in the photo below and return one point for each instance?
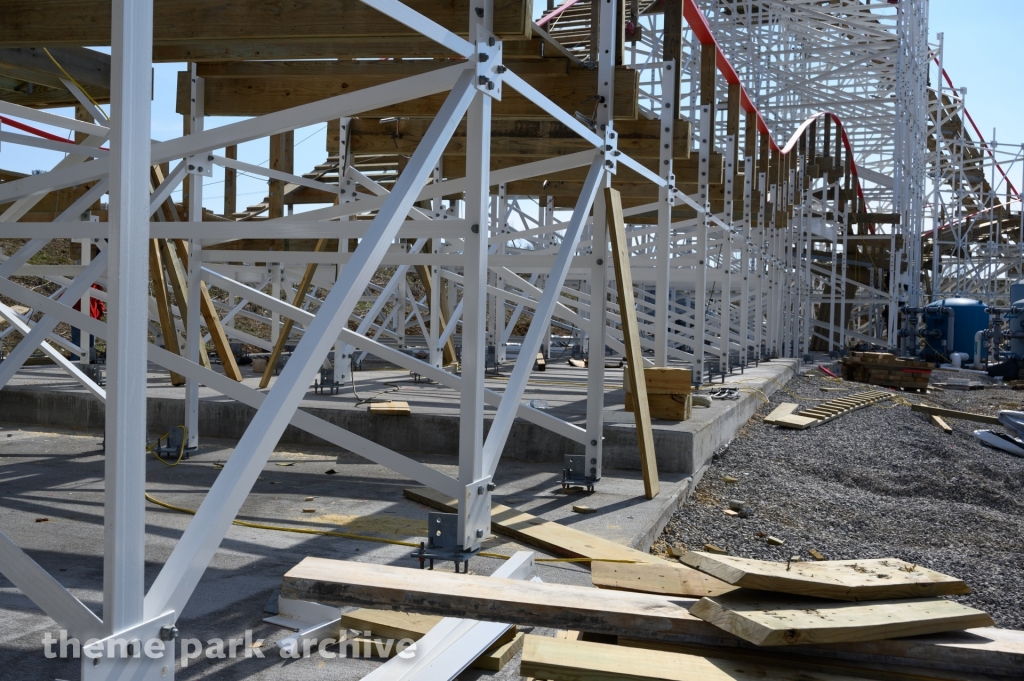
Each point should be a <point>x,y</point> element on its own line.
<point>882,368</point>
<point>785,414</point>
<point>668,392</point>
<point>840,634</point>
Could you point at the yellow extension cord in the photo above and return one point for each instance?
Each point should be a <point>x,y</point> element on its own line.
<point>68,76</point>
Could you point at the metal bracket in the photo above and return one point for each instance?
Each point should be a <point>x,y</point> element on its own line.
<point>577,473</point>
<point>200,164</point>
<point>142,653</point>
<point>610,148</point>
<point>489,67</point>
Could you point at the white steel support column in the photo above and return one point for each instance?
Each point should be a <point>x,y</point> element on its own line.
<point>745,256</point>
<point>128,278</point>
<point>474,291</point>
<point>727,252</point>
<point>193,336</point>
<point>188,561</point>
<point>700,293</point>
<point>663,248</point>
<point>597,329</point>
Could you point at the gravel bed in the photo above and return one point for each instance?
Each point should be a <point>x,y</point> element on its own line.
<point>879,482</point>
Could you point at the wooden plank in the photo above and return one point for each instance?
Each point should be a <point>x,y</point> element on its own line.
<point>255,95</point>
<point>631,339</point>
<point>937,421</point>
<point>393,407</point>
<point>954,414</point>
<point>209,313</point>
<point>492,599</point>
<point>784,409</point>
<point>796,421</point>
<point>537,532</point>
<point>844,580</point>
<point>163,306</point>
<point>517,138</point>
<point>810,661</point>
<point>179,284</point>
<point>298,301</point>
<point>657,578</point>
<point>779,619</point>
<point>561,660</point>
<point>85,23</point>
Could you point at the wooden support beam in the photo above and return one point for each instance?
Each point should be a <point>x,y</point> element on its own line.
<point>841,580</point>
<point>448,351</point>
<point>209,313</point>
<point>954,414</point>
<point>517,138</point>
<point>286,327</point>
<point>282,158</point>
<point>259,88</point>
<point>181,23</point>
<point>230,182</point>
<point>767,619</point>
<point>176,276</point>
<point>163,306</point>
<point>434,592</point>
<point>631,338</point>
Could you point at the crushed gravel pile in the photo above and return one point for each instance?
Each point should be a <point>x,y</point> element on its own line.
<point>879,482</point>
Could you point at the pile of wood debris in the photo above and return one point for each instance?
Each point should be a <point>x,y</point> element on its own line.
<point>885,369</point>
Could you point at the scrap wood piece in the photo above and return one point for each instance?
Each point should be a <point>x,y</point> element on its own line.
<point>656,578</point>
<point>824,412</point>
<point>631,339</point>
<point>954,414</point>
<point>938,421</point>
<point>784,409</point>
<point>558,606</point>
<point>390,407</point>
<point>844,580</point>
<point>552,658</point>
<point>766,619</point>
<point>543,534</point>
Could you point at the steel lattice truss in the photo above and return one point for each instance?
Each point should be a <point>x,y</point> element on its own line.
<point>774,160</point>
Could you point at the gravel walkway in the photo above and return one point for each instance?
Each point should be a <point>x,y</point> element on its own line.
<point>878,482</point>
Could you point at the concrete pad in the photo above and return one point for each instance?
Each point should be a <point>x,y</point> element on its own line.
<point>45,396</point>
<point>58,476</point>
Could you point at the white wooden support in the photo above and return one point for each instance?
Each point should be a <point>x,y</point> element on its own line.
<point>193,336</point>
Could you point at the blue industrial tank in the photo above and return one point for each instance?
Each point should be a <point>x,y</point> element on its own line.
<point>1017,291</point>
<point>958,319</point>
<point>1015,323</point>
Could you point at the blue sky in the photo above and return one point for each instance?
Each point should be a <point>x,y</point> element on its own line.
<point>981,53</point>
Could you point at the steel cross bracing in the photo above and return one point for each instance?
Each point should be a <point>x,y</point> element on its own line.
<point>740,249</point>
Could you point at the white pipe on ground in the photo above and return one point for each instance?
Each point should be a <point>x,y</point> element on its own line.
<point>977,348</point>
